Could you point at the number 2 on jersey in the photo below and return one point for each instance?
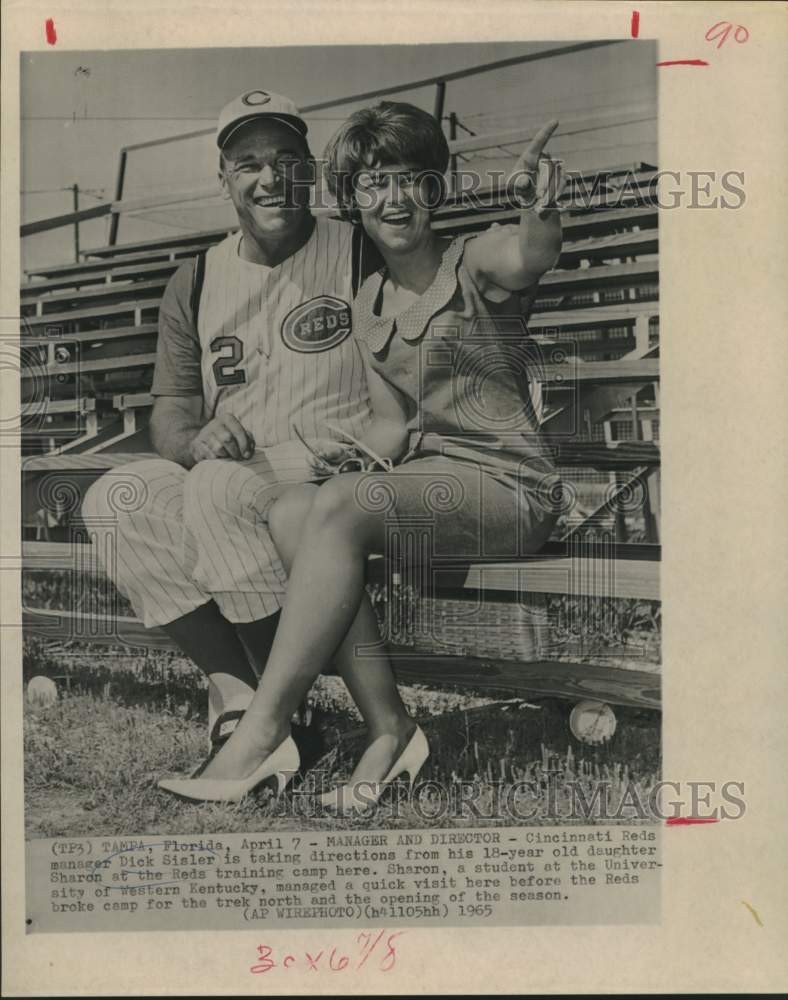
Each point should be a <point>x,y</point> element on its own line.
<point>225,367</point>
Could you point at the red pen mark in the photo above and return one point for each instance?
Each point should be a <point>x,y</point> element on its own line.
<point>635,25</point>
<point>337,961</point>
<point>343,962</point>
<point>390,958</point>
<point>313,961</point>
<point>265,963</point>
<point>367,949</point>
<point>687,821</point>
<point>718,32</point>
<point>50,30</point>
<point>740,35</point>
<point>683,62</point>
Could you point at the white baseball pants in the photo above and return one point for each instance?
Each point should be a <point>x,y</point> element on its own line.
<point>172,539</point>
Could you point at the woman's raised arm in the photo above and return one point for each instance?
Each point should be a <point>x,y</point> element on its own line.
<point>514,258</point>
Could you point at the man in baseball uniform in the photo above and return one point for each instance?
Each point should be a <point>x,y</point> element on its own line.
<point>254,352</point>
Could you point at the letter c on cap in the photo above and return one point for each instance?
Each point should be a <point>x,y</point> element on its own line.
<point>255,98</point>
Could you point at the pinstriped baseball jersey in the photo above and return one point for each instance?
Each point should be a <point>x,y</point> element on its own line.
<point>276,343</point>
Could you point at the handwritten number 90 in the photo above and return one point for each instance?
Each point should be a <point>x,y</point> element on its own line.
<point>722,30</point>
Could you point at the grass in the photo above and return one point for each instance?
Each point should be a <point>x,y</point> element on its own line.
<point>93,757</point>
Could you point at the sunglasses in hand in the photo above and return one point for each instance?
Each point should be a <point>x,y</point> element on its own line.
<point>355,458</point>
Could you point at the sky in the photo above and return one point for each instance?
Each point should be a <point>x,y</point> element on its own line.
<point>79,108</point>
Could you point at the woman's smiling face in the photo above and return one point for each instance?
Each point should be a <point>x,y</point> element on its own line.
<point>394,204</point>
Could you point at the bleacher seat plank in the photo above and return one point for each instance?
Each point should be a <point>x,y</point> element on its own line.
<point>110,333</point>
<point>553,678</point>
<point>105,292</point>
<point>600,221</point>
<point>93,312</point>
<point>103,265</point>
<point>132,400</point>
<point>595,247</point>
<point>140,246</point>
<point>603,455</point>
<point>100,462</point>
<point>572,371</point>
<point>602,209</point>
<point>615,219</point>
<point>603,247</point>
<point>98,279</point>
<point>580,576</point>
<point>611,173</point>
<point>643,197</point>
<point>82,404</point>
<point>587,316</point>
<point>599,277</point>
<point>127,361</point>
<point>582,224</point>
<point>615,685</point>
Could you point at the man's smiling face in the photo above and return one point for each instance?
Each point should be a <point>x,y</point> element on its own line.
<point>266,171</point>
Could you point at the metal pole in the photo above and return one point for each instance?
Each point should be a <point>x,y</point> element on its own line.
<point>113,226</point>
<point>44,225</point>
<point>453,158</point>
<point>440,97</point>
<point>371,95</point>
<point>75,189</point>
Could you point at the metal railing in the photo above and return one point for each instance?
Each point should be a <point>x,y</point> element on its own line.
<point>118,206</point>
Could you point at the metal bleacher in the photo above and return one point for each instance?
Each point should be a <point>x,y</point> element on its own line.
<point>89,342</point>
<point>100,316</point>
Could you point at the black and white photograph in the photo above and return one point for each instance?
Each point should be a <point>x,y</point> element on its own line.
<point>340,485</point>
<point>341,451</point>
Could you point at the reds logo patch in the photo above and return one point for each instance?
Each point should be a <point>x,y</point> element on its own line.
<point>317,325</point>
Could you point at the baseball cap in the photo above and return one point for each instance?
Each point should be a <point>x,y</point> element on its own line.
<point>257,104</point>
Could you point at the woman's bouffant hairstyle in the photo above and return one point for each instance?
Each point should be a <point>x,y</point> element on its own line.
<point>390,132</point>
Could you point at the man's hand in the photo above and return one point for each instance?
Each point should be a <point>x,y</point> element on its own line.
<point>537,182</point>
<point>222,437</point>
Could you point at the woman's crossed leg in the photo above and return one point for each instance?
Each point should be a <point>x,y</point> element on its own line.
<point>327,533</point>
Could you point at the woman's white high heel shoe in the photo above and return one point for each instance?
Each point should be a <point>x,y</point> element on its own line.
<point>282,764</point>
<point>363,795</point>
